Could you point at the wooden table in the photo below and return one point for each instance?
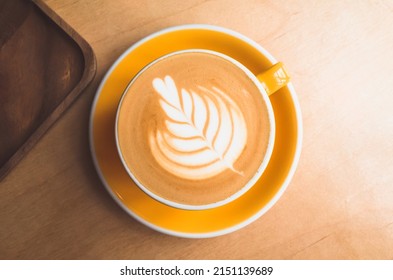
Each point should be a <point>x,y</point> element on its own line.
<point>339,204</point>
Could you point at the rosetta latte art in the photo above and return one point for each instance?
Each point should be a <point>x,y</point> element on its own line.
<point>204,132</point>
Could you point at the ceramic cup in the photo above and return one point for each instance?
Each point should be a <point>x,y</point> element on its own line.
<point>195,128</point>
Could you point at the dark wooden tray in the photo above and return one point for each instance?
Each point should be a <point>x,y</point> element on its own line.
<point>44,66</point>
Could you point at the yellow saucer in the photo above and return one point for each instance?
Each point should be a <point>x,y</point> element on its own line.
<point>200,223</point>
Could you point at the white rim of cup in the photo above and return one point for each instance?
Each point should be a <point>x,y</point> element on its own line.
<point>258,173</point>
<point>245,222</point>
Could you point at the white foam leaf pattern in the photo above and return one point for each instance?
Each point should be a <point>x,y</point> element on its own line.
<point>204,132</point>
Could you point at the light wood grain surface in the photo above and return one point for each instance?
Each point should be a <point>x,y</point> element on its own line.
<point>339,204</point>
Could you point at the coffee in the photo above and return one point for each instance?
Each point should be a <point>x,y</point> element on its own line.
<point>194,129</point>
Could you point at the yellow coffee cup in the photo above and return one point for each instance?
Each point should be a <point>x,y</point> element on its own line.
<point>195,128</point>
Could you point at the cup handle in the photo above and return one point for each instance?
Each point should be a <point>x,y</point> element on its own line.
<point>274,78</point>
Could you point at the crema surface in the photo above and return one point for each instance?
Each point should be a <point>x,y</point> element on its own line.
<point>193,128</point>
